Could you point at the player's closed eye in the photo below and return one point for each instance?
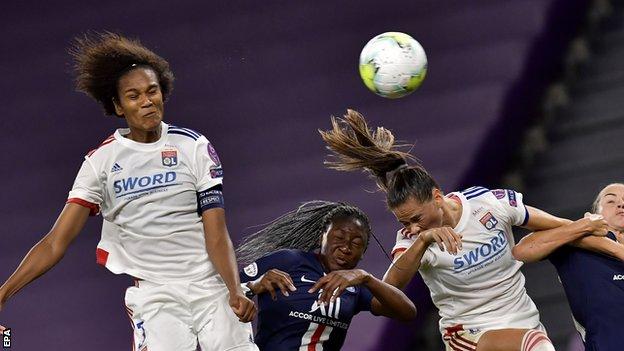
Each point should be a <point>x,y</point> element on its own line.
<point>339,238</point>
<point>357,243</point>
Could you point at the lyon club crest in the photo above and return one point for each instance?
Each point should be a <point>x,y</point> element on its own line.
<point>169,158</point>
<point>489,221</point>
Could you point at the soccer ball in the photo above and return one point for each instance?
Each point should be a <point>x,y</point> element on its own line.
<point>393,65</point>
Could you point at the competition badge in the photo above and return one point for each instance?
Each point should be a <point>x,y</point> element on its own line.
<point>213,155</point>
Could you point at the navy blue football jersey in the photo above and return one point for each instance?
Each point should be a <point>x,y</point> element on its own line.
<point>594,285</point>
<point>297,322</point>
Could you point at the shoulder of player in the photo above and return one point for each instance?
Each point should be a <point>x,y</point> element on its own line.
<point>473,192</point>
<point>482,194</point>
<point>184,133</point>
<point>103,147</point>
<point>287,256</point>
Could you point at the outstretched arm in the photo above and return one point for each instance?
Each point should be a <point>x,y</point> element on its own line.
<point>221,253</point>
<point>47,252</point>
<point>553,232</point>
<point>601,245</point>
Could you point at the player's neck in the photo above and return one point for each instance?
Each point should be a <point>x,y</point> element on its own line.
<point>451,212</point>
<point>142,136</point>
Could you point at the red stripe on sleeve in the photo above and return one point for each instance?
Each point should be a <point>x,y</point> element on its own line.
<point>397,250</point>
<point>94,209</point>
<point>101,256</point>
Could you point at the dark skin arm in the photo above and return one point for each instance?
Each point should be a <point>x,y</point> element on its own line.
<point>270,282</point>
<point>221,253</point>
<point>48,251</point>
<point>387,300</point>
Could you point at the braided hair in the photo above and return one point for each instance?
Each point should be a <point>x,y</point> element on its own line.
<point>356,147</point>
<point>298,229</point>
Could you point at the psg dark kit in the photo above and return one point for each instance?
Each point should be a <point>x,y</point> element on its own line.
<point>594,285</point>
<point>298,322</point>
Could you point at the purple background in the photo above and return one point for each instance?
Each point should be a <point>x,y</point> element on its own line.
<point>258,79</point>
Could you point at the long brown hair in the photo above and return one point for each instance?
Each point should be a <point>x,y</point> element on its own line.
<point>356,147</point>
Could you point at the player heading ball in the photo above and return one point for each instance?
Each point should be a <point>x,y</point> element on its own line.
<point>159,190</point>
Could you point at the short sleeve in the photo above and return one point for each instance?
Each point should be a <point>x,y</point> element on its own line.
<point>282,260</point>
<point>364,299</point>
<point>87,189</point>
<point>513,206</point>
<point>403,242</point>
<point>209,171</point>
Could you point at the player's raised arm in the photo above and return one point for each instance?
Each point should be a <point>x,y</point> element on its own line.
<point>553,232</point>
<point>48,251</point>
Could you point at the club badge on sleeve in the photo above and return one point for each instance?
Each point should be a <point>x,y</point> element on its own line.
<point>251,270</point>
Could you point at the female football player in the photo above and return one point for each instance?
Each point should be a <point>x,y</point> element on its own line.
<point>472,275</point>
<point>158,188</point>
<point>310,255</point>
<point>593,282</point>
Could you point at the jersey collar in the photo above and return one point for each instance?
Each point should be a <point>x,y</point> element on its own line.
<point>131,144</point>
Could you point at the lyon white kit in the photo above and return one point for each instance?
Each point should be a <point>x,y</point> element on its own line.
<point>481,287</point>
<point>147,194</point>
<point>151,196</point>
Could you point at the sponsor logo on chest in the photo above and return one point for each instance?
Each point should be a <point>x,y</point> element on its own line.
<point>482,253</point>
<point>133,185</point>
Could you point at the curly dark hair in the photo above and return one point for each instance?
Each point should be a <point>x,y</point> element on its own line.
<point>100,59</point>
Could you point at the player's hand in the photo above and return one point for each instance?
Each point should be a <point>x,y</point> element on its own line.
<point>335,283</point>
<point>445,237</point>
<point>270,281</point>
<point>2,328</point>
<point>244,308</point>
<point>595,224</point>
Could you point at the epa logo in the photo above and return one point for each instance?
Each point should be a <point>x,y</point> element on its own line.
<point>6,338</point>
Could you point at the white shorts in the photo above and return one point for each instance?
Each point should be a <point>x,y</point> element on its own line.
<point>456,338</point>
<point>178,316</point>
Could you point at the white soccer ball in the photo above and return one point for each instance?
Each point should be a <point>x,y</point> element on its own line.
<point>393,65</point>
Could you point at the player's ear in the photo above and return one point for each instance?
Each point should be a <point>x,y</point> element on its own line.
<point>118,109</point>
<point>437,196</point>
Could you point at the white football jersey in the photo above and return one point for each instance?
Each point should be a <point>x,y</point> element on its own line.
<point>481,287</point>
<point>147,194</point>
